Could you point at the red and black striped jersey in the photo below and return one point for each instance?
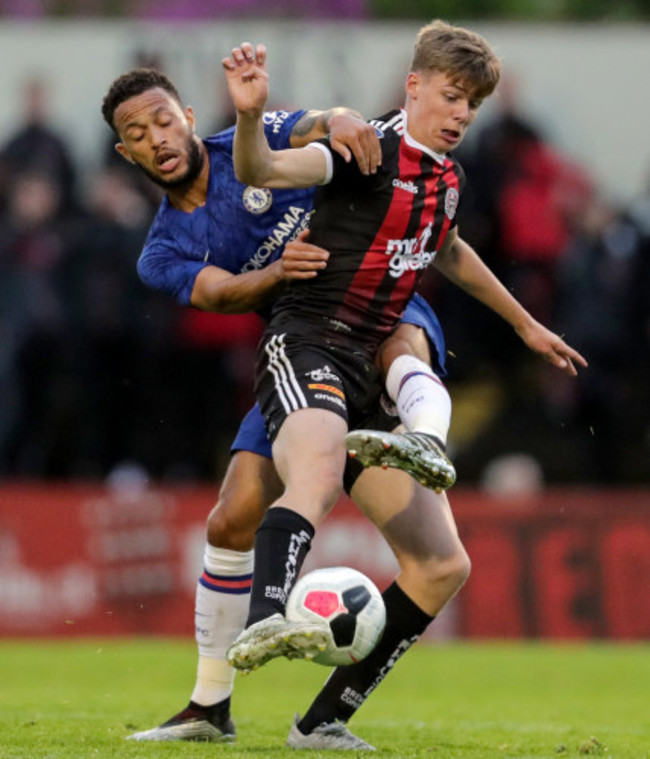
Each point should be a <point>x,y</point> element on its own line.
<point>382,231</point>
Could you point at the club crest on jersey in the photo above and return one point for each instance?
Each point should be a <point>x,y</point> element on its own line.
<point>257,199</point>
<point>451,202</point>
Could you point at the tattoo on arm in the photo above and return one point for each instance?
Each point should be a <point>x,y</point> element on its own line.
<point>316,124</point>
<point>308,123</point>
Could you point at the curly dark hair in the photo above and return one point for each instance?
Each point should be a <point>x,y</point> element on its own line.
<point>134,83</point>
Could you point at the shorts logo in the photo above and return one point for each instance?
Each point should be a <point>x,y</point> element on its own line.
<point>326,389</point>
<point>331,399</point>
<point>318,375</point>
<point>257,199</point>
<point>451,202</point>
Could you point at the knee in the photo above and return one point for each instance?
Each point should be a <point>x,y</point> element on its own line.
<point>409,340</point>
<point>316,488</point>
<point>447,576</point>
<point>457,569</point>
<point>232,523</point>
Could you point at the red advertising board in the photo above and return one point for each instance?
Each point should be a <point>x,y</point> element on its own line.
<point>86,560</point>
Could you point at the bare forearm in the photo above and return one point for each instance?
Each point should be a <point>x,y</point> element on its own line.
<point>252,156</point>
<point>462,266</point>
<point>258,165</point>
<point>214,290</point>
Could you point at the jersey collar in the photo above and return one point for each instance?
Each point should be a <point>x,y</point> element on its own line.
<point>438,157</point>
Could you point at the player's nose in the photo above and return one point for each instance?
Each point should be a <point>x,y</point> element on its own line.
<point>462,111</point>
<point>157,136</point>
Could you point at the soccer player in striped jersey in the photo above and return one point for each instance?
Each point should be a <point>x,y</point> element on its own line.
<point>382,230</point>
<point>223,246</point>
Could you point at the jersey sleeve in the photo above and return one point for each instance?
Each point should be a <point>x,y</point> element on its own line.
<point>161,268</point>
<point>278,126</point>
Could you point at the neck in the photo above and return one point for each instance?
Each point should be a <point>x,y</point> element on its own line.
<point>187,197</point>
<point>414,135</point>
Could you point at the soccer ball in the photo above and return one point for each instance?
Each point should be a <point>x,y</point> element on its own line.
<point>350,604</point>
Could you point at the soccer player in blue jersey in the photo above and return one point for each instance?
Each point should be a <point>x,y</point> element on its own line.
<point>381,230</point>
<point>222,246</point>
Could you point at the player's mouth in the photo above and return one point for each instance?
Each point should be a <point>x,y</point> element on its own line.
<point>451,136</point>
<point>167,161</point>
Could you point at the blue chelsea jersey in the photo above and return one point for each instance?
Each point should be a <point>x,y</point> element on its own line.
<point>239,228</point>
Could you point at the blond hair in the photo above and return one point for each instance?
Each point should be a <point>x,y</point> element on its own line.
<point>459,52</point>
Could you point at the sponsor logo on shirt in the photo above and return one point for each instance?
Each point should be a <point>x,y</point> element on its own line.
<point>410,254</point>
<point>293,221</point>
<point>275,119</point>
<point>408,186</point>
<point>257,199</point>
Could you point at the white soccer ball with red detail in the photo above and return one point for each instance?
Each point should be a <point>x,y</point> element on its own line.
<point>351,605</point>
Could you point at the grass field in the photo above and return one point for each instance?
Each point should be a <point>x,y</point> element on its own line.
<point>80,699</point>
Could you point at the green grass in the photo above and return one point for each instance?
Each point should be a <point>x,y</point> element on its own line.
<point>80,699</point>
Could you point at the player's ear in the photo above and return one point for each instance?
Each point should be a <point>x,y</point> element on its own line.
<point>122,150</point>
<point>189,115</point>
<point>412,84</point>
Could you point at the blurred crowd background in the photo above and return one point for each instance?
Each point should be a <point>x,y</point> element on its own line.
<point>97,373</point>
<point>207,9</point>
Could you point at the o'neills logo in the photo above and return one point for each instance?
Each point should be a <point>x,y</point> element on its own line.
<point>411,254</point>
<point>451,202</point>
<point>408,186</point>
<point>257,199</point>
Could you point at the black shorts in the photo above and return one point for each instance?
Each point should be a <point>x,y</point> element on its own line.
<point>294,373</point>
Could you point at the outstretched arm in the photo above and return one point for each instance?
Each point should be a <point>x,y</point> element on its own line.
<point>460,263</point>
<point>255,162</point>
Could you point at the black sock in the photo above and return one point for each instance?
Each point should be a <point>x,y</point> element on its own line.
<point>217,713</point>
<point>281,543</point>
<point>349,686</point>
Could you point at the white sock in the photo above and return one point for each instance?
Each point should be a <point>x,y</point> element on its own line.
<point>222,599</point>
<point>422,401</point>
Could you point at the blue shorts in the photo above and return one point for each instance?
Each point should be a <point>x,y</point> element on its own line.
<point>420,313</point>
<point>251,435</point>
